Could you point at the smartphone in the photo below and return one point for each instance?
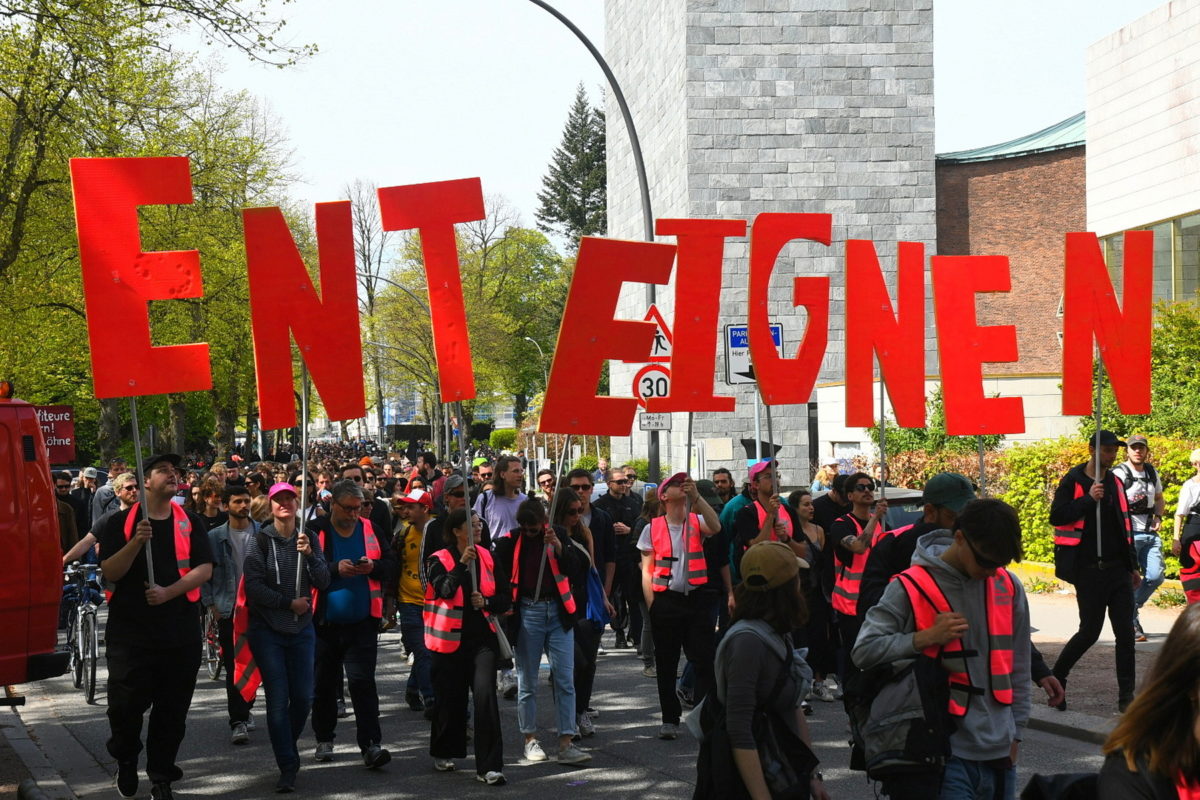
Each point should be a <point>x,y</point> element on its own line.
<point>364,560</point>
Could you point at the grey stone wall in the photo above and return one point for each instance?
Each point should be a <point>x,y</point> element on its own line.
<point>811,106</point>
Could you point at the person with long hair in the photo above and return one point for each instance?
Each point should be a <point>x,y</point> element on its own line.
<point>568,513</point>
<point>462,600</point>
<point>1154,752</point>
<point>757,669</point>
<point>822,655</point>
<point>823,480</point>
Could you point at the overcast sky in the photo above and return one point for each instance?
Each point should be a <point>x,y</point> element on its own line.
<point>405,91</point>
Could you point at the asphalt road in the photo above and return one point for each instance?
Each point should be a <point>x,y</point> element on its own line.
<point>628,759</point>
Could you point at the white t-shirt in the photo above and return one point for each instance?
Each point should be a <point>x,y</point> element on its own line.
<point>1189,494</point>
<point>679,582</point>
<point>1140,487</point>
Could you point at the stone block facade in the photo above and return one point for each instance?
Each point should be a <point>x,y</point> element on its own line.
<point>751,106</point>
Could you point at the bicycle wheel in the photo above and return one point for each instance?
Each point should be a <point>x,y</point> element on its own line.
<point>73,640</point>
<point>91,646</point>
<point>212,645</point>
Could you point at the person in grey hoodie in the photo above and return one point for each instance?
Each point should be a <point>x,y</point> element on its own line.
<point>984,745</point>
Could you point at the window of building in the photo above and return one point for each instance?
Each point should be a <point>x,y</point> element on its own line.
<point>1176,258</point>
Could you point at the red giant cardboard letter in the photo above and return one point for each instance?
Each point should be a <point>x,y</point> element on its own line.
<point>697,312</point>
<point>284,303</point>
<point>898,338</point>
<point>1090,311</point>
<point>433,209</point>
<point>119,279</point>
<point>964,345</point>
<point>589,336</point>
<point>787,380</point>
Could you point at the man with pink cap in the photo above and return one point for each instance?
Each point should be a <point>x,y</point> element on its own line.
<point>679,595</point>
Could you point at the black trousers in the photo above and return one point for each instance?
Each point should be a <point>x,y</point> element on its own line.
<point>628,576</point>
<point>471,668</point>
<point>161,680</point>
<point>587,647</point>
<point>683,622</point>
<point>1097,592</point>
<point>239,709</point>
<point>351,646</point>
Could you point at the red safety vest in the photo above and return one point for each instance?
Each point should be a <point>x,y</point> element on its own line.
<point>848,580</point>
<point>783,515</point>
<point>1070,534</point>
<point>1190,576</point>
<point>928,600</point>
<point>373,553</point>
<point>560,581</point>
<point>443,617</point>
<point>664,556</point>
<point>246,677</point>
<point>183,543</point>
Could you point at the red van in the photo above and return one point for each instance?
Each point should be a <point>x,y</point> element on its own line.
<point>29,546</point>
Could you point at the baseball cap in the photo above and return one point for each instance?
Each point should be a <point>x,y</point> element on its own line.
<point>678,477</point>
<point>831,462</point>
<point>759,467</point>
<point>1107,438</point>
<point>1137,439</point>
<point>418,496</point>
<point>453,482</point>
<point>280,488</point>
<point>154,460</point>
<point>769,565</point>
<point>949,489</point>
<point>91,472</point>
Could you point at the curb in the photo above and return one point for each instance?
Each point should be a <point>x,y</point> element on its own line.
<point>1035,569</point>
<point>29,790</point>
<point>1071,724</point>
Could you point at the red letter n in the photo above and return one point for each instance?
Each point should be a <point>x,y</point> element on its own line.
<point>284,303</point>
<point>1090,312</point>
<point>897,337</point>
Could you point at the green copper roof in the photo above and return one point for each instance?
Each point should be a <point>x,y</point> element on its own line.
<point>1071,132</point>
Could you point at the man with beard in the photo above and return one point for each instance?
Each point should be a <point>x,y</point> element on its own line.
<point>153,630</point>
<point>626,573</point>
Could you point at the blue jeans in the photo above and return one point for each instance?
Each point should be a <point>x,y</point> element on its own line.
<point>286,664</point>
<point>412,633</point>
<point>541,632</point>
<point>1150,561</point>
<point>975,780</point>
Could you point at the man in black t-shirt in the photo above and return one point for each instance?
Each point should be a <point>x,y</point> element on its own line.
<point>153,631</point>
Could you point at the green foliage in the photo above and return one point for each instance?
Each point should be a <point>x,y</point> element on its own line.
<point>1175,388</point>
<point>1169,598</point>
<point>1032,473</point>
<point>587,461</point>
<point>933,437</point>
<point>573,200</point>
<point>503,438</point>
<point>1036,584</point>
<point>642,466</point>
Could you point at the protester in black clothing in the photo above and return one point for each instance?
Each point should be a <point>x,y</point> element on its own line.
<point>465,655</point>
<point>833,504</point>
<point>1102,565</point>
<point>766,518</point>
<point>152,636</point>
<point>625,587</point>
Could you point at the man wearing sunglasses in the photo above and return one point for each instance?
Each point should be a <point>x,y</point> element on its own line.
<point>625,570</point>
<point>853,535</point>
<point>959,604</point>
<point>347,616</point>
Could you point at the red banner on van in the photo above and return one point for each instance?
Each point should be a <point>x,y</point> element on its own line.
<point>58,429</point>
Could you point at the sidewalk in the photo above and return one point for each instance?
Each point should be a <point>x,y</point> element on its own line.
<point>1092,690</point>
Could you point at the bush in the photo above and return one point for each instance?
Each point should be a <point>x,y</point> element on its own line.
<point>588,462</point>
<point>642,466</point>
<point>503,438</point>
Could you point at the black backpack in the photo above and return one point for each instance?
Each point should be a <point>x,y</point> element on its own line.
<point>1128,479</point>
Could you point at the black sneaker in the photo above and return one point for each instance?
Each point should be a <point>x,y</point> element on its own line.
<point>161,790</point>
<point>287,781</point>
<point>1123,703</point>
<point>414,702</point>
<point>375,757</point>
<point>127,778</point>
<point>620,643</point>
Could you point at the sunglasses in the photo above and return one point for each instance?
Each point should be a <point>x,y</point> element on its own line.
<point>983,562</point>
<point>485,474</point>
<point>356,479</point>
<point>864,487</point>
<point>580,487</point>
<point>350,509</point>
<point>622,482</point>
<point>457,493</point>
<point>546,483</point>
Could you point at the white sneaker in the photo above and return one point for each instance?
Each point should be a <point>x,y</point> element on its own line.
<point>443,764</point>
<point>573,755</point>
<point>668,731</point>
<point>834,686</point>
<point>249,721</point>
<point>534,751</point>
<point>492,778</point>
<point>584,724</point>
<point>822,692</point>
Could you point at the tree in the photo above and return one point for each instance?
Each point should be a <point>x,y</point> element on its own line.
<point>933,437</point>
<point>573,199</point>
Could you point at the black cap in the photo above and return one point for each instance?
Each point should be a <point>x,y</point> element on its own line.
<point>1106,438</point>
<point>150,463</point>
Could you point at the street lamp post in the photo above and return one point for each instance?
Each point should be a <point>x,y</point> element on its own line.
<point>545,386</point>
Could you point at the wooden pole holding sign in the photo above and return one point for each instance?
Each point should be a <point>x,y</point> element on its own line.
<point>882,440</point>
<point>141,479</point>
<point>537,592</point>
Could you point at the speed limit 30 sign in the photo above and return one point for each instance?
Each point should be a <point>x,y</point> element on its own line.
<point>652,380</point>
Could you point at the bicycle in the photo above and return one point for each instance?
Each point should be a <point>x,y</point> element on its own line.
<point>83,633</point>
<point>212,644</point>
